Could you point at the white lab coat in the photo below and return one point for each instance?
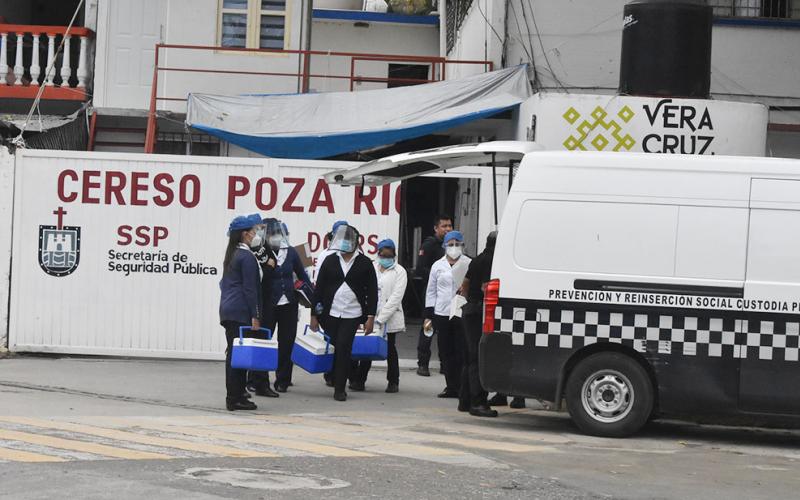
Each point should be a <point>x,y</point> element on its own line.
<point>444,282</point>
<point>391,289</point>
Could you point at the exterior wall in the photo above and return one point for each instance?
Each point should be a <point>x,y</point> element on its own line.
<point>6,210</point>
<point>477,41</point>
<point>129,29</point>
<point>377,38</point>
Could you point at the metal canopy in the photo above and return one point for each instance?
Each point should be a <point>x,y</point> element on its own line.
<point>407,165</point>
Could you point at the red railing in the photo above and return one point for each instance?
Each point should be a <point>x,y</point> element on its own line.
<point>23,70</point>
<point>438,69</point>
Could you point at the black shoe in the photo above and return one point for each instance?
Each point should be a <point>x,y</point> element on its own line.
<point>290,384</point>
<point>392,388</point>
<point>246,395</point>
<point>447,394</point>
<point>482,411</point>
<point>281,387</point>
<point>463,407</point>
<point>266,392</point>
<point>498,400</point>
<point>356,386</point>
<point>517,403</point>
<point>423,371</point>
<point>242,404</point>
<point>340,396</point>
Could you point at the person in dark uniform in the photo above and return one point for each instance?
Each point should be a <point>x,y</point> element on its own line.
<point>430,251</point>
<point>258,382</point>
<point>283,305</point>
<point>345,296</point>
<point>472,396</point>
<point>240,302</point>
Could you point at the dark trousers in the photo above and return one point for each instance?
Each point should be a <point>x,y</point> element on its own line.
<point>235,380</point>
<point>360,368</point>
<point>342,332</point>
<point>424,349</point>
<point>283,317</point>
<point>451,347</point>
<point>472,393</point>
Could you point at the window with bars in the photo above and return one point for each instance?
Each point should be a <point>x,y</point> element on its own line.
<point>456,12</point>
<point>773,9</point>
<point>254,24</point>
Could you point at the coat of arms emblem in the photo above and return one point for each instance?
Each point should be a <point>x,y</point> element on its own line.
<point>59,247</point>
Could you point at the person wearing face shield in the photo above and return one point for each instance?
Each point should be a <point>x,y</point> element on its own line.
<point>392,282</point>
<point>328,250</point>
<point>240,301</point>
<point>345,296</point>
<point>280,294</point>
<point>445,279</point>
<point>258,382</point>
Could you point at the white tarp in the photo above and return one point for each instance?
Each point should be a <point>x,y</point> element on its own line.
<point>6,206</point>
<point>327,124</point>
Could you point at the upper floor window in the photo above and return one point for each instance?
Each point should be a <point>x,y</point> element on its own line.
<point>775,9</point>
<point>254,24</point>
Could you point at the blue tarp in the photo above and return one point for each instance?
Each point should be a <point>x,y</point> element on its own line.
<point>314,126</point>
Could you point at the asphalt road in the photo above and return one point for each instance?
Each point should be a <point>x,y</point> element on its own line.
<point>98,428</point>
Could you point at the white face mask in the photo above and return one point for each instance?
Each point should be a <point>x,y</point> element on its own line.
<point>256,241</point>
<point>275,241</point>
<point>453,252</point>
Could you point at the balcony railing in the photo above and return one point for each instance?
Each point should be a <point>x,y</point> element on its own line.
<point>305,75</point>
<point>26,51</point>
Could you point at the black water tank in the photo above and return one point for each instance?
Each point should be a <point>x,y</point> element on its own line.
<point>666,48</point>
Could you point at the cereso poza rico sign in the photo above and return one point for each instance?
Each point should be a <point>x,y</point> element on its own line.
<point>142,237</point>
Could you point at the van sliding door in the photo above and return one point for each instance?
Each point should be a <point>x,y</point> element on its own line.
<point>770,331</point>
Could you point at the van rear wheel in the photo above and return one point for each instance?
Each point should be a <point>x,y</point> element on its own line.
<point>609,394</point>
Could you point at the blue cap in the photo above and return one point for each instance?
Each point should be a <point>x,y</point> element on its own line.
<point>241,222</point>
<point>387,243</point>
<point>255,219</point>
<point>337,224</point>
<point>453,235</point>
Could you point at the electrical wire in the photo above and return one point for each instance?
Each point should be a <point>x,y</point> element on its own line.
<point>541,44</point>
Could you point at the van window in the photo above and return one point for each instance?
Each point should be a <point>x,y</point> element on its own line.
<point>774,251</point>
<point>632,239</point>
<point>609,238</point>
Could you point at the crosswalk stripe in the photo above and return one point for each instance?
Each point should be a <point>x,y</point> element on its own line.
<point>133,437</point>
<point>292,444</point>
<point>493,432</point>
<point>82,446</point>
<point>26,456</point>
<point>354,440</point>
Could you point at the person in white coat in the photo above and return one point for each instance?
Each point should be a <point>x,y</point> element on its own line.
<point>392,282</point>
<point>446,277</point>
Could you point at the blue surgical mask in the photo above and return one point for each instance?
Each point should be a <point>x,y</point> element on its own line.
<point>386,262</point>
<point>346,246</point>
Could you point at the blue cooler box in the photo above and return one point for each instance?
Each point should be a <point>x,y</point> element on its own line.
<point>373,346</point>
<point>313,352</point>
<point>255,354</point>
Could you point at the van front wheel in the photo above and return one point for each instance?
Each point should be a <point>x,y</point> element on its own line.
<point>609,394</point>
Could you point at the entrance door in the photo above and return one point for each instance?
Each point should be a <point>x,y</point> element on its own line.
<point>770,369</point>
<point>128,31</point>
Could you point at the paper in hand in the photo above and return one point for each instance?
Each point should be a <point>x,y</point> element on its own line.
<point>456,305</point>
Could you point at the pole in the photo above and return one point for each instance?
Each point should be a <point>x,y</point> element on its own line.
<point>494,187</point>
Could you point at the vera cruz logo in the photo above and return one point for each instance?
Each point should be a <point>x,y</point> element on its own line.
<point>59,247</point>
<point>599,131</point>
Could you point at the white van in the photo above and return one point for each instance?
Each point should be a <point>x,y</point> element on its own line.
<point>633,285</point>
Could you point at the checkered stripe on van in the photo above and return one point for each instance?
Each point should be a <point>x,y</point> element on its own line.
<point>653,332</point>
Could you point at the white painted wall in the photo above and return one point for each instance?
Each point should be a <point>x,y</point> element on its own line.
<point>6,209</point>
<point>377,38</point>
<point>477,41</point>
<point>129,29</point>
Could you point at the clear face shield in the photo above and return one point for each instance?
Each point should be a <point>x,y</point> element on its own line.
<point>276,236</point>
<point>345,239</point>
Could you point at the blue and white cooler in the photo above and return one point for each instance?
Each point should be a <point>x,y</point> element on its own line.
<point>373,346</point>
<point>255,354</point>
<point>313,352</point>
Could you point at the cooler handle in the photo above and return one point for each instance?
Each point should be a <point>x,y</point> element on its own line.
<point>321,332</point>
<point>245,328</point>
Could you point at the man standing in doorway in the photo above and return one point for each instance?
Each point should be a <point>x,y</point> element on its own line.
<point>431,251</point>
